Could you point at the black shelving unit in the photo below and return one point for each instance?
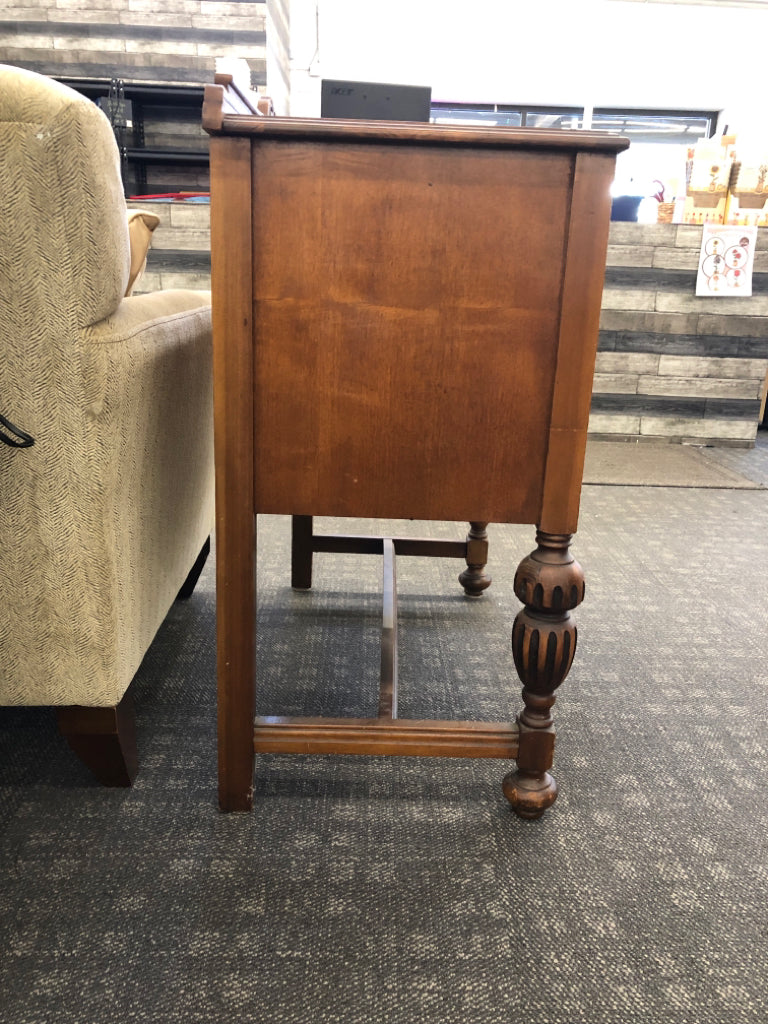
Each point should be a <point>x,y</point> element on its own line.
<point>141,103</point>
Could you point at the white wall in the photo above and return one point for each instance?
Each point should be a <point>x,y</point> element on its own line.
<point>554,52</point>
<point>278,44</point>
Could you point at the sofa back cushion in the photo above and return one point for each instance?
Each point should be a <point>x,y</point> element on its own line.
<point>64,232</point>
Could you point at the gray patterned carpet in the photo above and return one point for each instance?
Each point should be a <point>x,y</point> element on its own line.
<point>401,890</point>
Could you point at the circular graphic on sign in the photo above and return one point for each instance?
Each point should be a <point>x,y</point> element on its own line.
<point>715,283</point>
<point>736,256</point>
<point>714,246</point>
<point>713,265</point>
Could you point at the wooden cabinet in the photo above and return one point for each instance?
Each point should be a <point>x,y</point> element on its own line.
<point>405,326</point>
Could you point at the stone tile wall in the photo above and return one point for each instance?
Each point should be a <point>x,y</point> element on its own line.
<point>180,256</point>
<point>671,365</point>
<point>168,41</point>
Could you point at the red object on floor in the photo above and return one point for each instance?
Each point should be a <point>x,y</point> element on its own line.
<point>171,196</point>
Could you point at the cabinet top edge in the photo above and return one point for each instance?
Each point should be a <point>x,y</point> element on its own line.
<point>322,129</point>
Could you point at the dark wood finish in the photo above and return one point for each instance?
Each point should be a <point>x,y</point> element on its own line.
<point>189,584</point>
<point>360,544</point>
<point>232,276</point>
<point>104,739</point>
<point>550,583</point>
<point>378,337</point>
<point>301,552</point>
<point>582,288</point>
<point>224,97</point>
<point>378,736</point>
<point>475,579</point>
<point>424,304</point>
<point>213,107</point>
<point>305,542</point>
<point>437,136</point>
<point>238,102</point>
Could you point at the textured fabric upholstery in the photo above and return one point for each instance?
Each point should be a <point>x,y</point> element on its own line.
<point>100,520</point>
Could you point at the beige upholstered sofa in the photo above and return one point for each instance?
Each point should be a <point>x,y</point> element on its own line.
<point>106,516</point>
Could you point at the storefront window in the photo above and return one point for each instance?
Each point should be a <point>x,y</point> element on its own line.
<point>651,127</point>
<point>656,127</point>
<point>460,113</point>
<point>653,164</point>
<point>552,120</point>
<point>505,115</point>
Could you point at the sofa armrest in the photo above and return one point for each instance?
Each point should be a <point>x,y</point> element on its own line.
<point>140,313</point>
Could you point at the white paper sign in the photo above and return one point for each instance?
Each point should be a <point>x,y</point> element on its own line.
<point>726,259</point>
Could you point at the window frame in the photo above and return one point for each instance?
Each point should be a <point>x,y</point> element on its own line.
<point>711,116</point>
<point>525,110</point>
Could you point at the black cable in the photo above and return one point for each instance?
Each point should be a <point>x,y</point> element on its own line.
<point>17,438</point>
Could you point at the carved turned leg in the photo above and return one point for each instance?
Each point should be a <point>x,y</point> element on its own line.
<point>301,552</point>
<point>550,583</point>
<point>104,739</point>
<point>474,579</point>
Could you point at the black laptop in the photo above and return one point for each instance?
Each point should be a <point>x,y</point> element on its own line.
<point>374,101</point>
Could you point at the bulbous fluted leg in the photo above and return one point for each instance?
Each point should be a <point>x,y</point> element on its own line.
<point>550,583</point>
<point>475,579</point>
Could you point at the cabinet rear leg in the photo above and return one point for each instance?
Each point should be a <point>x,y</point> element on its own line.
<point>301,552</point>
<point>475,579</point>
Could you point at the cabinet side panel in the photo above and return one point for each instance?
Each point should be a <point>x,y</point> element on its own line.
<point>406,320</point>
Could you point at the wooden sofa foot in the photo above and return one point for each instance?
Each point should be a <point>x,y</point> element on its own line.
<point>104,739</point>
